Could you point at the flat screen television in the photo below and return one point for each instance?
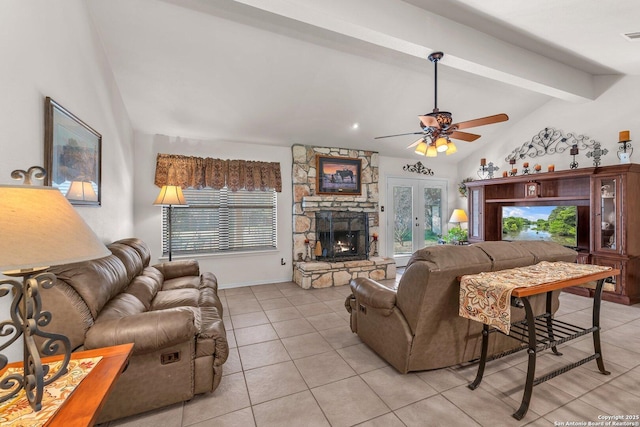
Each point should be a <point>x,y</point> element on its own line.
<point>551,223</point>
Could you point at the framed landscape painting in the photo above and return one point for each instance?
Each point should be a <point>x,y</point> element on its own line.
<point>72,155</point>
<point>338,175</point>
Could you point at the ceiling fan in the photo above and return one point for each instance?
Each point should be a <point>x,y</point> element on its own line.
<point>437,127</point>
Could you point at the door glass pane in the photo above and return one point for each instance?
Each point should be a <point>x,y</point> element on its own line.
<point>475,209</point>
<point>432,215</point>
<point>608,214</point>
<point>402,221</point>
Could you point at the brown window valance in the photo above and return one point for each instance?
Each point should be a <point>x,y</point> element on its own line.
<point>199,172</point>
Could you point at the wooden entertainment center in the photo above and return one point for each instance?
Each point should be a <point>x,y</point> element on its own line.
<point>608,224</point>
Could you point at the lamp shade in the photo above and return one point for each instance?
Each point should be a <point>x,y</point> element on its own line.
<point>458,216</point>
<point>82,190</point>
<point>170,195</point>
<point>451,148</point>
<point>421,148</point>
<point>39,228</point>
<point>431,151</point>
<point>441,144</point>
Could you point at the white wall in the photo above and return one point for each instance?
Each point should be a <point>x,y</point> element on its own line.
<point>50,48</point>
<point>616,109</point>
<point>231,269</point>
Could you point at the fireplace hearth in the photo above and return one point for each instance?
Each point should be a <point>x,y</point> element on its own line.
<point>343,236</point>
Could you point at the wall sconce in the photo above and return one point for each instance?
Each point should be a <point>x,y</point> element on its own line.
<point>574,152</point>
<point>625,145</point>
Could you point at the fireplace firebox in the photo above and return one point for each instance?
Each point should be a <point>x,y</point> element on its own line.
<point>343,236</point>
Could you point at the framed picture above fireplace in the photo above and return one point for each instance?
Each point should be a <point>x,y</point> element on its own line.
<point>338,175</point>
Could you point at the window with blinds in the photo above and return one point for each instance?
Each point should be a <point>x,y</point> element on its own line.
<point>218,221</point>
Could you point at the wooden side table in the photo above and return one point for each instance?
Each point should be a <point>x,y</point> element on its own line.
<point>81,409</point>
<point>542,332</point>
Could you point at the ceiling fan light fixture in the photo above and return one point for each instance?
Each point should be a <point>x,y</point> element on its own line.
<point>431,151</point>
<point>451,148</point>
<point>421,148</point>
<point>441,144</point>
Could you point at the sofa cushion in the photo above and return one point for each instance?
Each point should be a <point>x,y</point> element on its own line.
<point>506,255</point>
<point>547,251</point>
<point>192,282</point>
<point>445,257</point>
<point>180,268</point>
<point>145,288</point>
<point>140,246</point>
<point>175,298</point>
<point>129,257</point>
<point>96,281</point>
<point>121,306</point>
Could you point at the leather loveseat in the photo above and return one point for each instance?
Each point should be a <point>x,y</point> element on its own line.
<point>416,326</point>
<point>170,312</point>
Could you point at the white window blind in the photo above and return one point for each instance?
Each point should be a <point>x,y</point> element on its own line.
<point>218,221</point>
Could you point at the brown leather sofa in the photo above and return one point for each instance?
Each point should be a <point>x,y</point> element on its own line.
<point>170,312</point>
<point>416,326</point>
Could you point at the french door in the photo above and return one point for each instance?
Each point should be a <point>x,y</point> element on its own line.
<point>416,215</point>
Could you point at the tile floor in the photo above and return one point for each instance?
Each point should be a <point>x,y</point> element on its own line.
<point>294,362</point>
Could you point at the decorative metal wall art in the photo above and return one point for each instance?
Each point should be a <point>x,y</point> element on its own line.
<point>552,141</point>
<point>418,168</point>
<point>597,153</point>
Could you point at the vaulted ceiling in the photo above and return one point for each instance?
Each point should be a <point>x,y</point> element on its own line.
<point>286,72</point>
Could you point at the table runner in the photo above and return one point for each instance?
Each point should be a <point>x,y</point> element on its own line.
<point>16,412</point>
<point>486,297</point>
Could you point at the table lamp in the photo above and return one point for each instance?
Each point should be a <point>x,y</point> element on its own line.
<point>39,229</point>
<point>458,216</point>
<point>170,195</point>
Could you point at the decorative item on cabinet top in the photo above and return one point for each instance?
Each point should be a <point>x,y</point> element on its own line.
<point>625,150</point>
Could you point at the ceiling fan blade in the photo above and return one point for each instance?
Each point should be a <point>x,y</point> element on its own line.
<point>400,134</point>
<point>464,136</point>
<point>481,122</point>
<point>415,143</point>
<point>429,121</point>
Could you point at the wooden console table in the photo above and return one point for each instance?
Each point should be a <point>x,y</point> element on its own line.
<point>543,332</point>
<point>81,409</point>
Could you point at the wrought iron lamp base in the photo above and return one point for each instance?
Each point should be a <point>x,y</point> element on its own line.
<point>26,319</point>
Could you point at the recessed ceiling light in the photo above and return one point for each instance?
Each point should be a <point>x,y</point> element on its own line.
<point>355,126</point>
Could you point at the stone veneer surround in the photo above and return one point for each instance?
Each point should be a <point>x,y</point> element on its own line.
<point>306,203</point>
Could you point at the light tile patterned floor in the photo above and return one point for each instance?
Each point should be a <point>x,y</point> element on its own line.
<point>294,362</point>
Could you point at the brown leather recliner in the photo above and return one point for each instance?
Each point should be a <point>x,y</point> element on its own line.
<point>170,312</point>
<point>417,327</point>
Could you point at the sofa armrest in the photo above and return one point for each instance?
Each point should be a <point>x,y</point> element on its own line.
<point>373,294</point>
<point>149,331</point>
<point>181,268</point>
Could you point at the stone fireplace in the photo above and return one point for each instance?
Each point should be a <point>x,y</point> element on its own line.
<point>312,211</point>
